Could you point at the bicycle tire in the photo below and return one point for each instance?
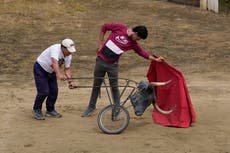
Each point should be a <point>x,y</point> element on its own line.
<point>114,126</point>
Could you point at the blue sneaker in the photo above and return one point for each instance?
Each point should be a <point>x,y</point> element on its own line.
<point>88,112</point>
<point>53,114</point>
<point>38,114</point>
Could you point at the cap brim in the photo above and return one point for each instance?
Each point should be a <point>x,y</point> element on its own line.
<point>71,49</point>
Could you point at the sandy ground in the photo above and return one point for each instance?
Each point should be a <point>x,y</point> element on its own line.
<point>194,41</point>
<point>21,133</point>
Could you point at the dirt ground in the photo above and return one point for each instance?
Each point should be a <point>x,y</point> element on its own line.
<point>194,41</point>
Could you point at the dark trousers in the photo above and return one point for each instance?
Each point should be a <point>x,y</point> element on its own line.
<point>101,68</point>
<point>47,88</point>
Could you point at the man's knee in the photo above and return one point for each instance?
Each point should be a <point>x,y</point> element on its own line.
<point>43,93</point>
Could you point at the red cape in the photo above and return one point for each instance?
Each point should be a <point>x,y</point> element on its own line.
<point>174,93</point>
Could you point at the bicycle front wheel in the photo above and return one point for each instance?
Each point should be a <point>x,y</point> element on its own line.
<point>113,119</point>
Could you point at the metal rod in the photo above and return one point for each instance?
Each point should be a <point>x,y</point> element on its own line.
<point>127,85</point>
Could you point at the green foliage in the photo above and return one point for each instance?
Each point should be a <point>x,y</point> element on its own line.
<point>225,6</point>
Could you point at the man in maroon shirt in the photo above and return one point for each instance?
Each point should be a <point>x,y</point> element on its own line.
<point>120,40</point>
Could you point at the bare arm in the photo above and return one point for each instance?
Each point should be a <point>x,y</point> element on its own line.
<point>101,40</point>
<point>68,72</point>
<point>57,70</point>
<point>70,81</point>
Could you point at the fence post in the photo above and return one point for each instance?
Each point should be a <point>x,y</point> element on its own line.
<point>203,4</point>
<point>213,5</point>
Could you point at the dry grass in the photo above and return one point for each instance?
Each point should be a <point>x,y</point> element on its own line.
<point>27,26</point>
<point>188,37</point>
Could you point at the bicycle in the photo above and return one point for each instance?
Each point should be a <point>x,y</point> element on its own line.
<point>114,119</point>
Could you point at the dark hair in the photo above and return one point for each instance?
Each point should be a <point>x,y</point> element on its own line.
<point>63,46</point>
<point>142,31</point>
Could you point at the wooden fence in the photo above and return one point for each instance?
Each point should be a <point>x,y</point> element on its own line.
<point>211,5</point>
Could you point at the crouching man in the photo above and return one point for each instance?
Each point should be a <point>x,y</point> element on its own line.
<point>46,71</point>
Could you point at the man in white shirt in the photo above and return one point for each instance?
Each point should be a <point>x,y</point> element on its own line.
<point>46,72</point>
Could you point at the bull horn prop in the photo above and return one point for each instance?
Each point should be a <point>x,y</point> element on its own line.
<point>159,83</point>
<point>162,111</point>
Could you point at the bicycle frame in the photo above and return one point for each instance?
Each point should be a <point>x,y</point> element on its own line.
<point>106,86</point>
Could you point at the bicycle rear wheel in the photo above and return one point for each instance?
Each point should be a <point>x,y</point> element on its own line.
<point>113,119</point>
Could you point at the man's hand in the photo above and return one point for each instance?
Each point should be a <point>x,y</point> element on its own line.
<point>71,84</point>
<point>99,48</point>
<point>157,59</point>
<point>160,59</point>
<point>62,77</point>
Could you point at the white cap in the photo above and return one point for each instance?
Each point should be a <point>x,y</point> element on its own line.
<point>69,44</point>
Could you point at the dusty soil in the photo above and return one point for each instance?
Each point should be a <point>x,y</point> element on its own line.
<point>194,41</point>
